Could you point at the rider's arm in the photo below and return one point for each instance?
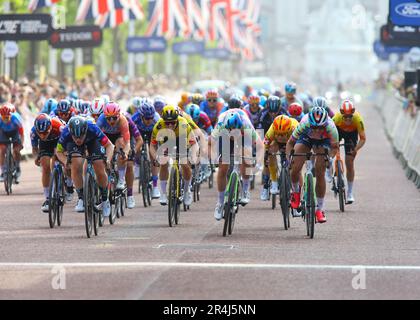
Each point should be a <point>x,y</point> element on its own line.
<point>362,134</point>
<point>109,147</point>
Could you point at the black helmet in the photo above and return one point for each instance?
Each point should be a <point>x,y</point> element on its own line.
<point>235,103</point>
<point>273,104</point>
<point>78,127</point>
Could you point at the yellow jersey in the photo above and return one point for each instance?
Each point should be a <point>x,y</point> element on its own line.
<point>183,128</point>
<point>273,136</point>
<point>357,124</point>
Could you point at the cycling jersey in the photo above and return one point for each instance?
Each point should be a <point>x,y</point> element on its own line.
<point>183,127</point>
<point>285,104</point>
<point>190,120</point>
<point>204,123</point>
<point>254,116</point>
<point>14,125</point>
<point>119,130</point>
<point>265,122</point>
<point>274,136</point>
<point>94,137</point>
<point>356,125</point>
<point>304,131</point>
<point>212,113</point>
<point>223,119</point>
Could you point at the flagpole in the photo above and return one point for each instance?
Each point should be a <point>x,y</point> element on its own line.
<point>6,60</point>
<point>131,65</point>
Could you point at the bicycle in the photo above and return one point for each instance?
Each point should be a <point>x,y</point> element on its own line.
<point>92,199</point>
<point>338,182</point>
<point>284,183</point>
<point>196,182</point>
<point>117,197</point>
<point>145,176</point>
<point>56,195</point>
<point>10,168</point>
<point>308,202</point>
<point>232,196</point>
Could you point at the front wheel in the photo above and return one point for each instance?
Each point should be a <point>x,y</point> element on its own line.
<point>52,197</point>
<point>173,200</point>
<point>229,210</point>
<point>285,187</point>
<point>89,205</point>
<point>310,207</point>
<point>341,188</point>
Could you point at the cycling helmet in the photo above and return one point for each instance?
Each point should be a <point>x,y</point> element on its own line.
<point>197,99</point>
<point>43,123</point>
<point>291,88</point>
<point>185,98</point>
<point>170,114</point>
<point>97,107</point>
<point>159,104</point>
<point>76,105</point>
<point>282,125</point>
<point>12,108</point>
<point>50,105</point>
<point>234,121</point>
<point>78,127</point>
<point>320,102</point>
<point>112,109</point>
<point>318,117</point>
<point>5,110</point>
<point>64,106</point>
<point>273,104</point>
<point>263,101</point>
<point>137,102</point>
<point>254,99</point>
<point>106,99</point>
<point>263,92</point>
<point>194,111</point>
<point>74,95</point>
<point>85,107</point>
<point>148,111</point>
<point>347,108</point>
<point>212,94</point>
<point>235,103</point>
<point>295,109</point>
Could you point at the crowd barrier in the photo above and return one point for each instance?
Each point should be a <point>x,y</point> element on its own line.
<point>403,131</point>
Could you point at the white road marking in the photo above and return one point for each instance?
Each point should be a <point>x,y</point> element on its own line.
<point>207,266</point>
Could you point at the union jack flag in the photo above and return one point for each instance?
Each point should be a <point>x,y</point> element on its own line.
<point>38,4</point>
<point>109,13</point>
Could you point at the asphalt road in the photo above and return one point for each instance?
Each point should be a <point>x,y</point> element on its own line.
<point>142,258</point>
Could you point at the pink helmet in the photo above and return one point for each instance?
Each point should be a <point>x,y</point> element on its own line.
<point>112,109</point>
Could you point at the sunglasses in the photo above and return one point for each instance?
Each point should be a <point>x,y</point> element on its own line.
<point>348,117</point>
<point>148,119</point>
<point>170,123</point>
<point>212,100</point>
<point>111,118</point>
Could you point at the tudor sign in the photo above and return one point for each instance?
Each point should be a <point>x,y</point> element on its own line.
<point>76,37</point>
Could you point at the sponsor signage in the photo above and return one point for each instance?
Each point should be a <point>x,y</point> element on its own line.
<point>399,37</point>
<point>404,12</point>
<point>383,52</point>
<point>146,44</point>
<point>19,27</point>
<point>221,54</point>
<point>188,48</point>
<point>76,37</point>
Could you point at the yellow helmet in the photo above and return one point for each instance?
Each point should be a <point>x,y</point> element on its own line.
<point>170,113</point>
<point>282,124</point>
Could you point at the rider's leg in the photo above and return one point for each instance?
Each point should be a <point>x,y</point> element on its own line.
<point>129,178</point>
<point>102,178</point>
<point>321,186</point>
<point>77,174</point>
<point>297,165</point>
<point>2,156</point>
<point>122,163</point>
<point>350,173</point>
<point>46,173</point>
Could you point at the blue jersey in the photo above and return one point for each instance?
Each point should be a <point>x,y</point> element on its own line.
<point>15,124</point>
<point>214,113</point>
<point>137,119</point>
<point>93,133</point>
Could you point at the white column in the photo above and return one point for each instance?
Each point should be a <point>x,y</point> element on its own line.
<point>52,61</point>
<point>169,63</point>
<point>131,67</point>
<point>150,64</point>
<point>79,57</point>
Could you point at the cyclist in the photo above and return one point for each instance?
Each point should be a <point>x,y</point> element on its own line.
<point>275,141</point>
<point>296,111</point>
<point>316,132</point>
<point>115,126</point>
<point>235,102</point>
<point>197,99</point>
<point>200,118</point>
<point>212,106</point>
<point>44,138</point>
<point>321,102</point>
<point>84,107</point>
<point>173,124</point>
<point>229,125</point>
<point>11,126</point>
<point>185,100</point>
<point>78,137</point>
<point>64,111</point>
<point>49,106</point>
<point>254,109</point>
<point>159,103</point>
<point>350,127</point>
<point>145,119</point>
<point>290,97</point>
<point>97,108</point>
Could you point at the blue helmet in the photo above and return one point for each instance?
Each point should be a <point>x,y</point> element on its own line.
<point>64,106</point>
<point>273,104</point>
<point>318,117</point>
<point>42,123</point>
<point>320,102</point>
<point>85,106</point>
<point>291,88</point>
<point>73,95</point>
<point>50,105</point>
<point>194,111</point>
<point>234,122</point>
<point>147,111</point>
<point>78,126</point>
<point>263,101</point>
<point>159,104</point>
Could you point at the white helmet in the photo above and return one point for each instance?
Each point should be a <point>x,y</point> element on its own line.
<point>97,107</point>
<point>106,98</point>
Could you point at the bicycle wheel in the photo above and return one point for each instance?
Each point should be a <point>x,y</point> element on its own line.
<point>211,178</point>
<point>149,185</point>
<point>8,179</point>
<point>61,199</point>
<point>123,203</point>
<point>273,201</point>
<point>285,198</point>
<point>341,188</point>
<point>52,197</point>
<point>172,198</point>
<point>143,182</point>
<point>229,210</point>
<point>310,206</point>
<point>96,213</point>
<point>89,203</point>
